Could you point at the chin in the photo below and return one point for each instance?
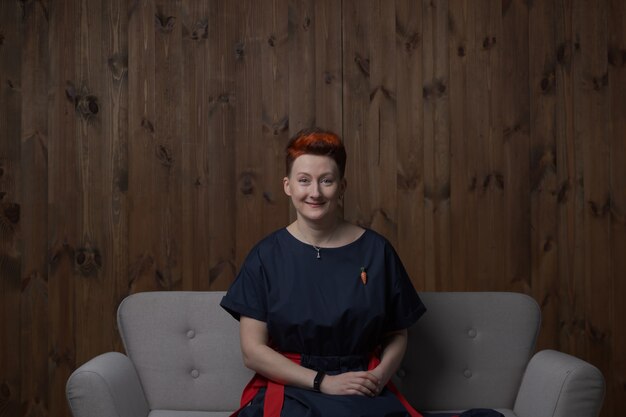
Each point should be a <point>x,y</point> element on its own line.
<point>318,215</point>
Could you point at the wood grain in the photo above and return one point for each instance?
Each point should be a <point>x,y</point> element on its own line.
<point>436,109</point>
<point>10,207</point>
<point>141,149</point>
<point>616,377</point>
<point>543,179</point>
<point>410,146</point>
<point>69,111</point>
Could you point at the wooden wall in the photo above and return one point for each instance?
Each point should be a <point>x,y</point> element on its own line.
<point>141,149</point>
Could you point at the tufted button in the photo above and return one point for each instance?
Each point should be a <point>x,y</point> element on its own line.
<point>195,373</point>
<point>471,333</point>
<point>191,334</point>
<point>401,373</point>
<point>467,373</point>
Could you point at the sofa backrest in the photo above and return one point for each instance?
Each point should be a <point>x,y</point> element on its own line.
<point>469,350</point>
<point>185,348</point>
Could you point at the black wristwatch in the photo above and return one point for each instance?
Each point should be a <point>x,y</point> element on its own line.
<point>317,382</point>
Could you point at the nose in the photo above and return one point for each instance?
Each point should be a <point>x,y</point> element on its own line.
<point>315,190</point>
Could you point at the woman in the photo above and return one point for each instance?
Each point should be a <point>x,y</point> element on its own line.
<point>323,304</point>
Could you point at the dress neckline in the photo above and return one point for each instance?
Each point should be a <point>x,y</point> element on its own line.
<point>354,242</point>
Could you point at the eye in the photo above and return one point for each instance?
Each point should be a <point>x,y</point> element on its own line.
<point>303,180</point>
<point>327,181</point>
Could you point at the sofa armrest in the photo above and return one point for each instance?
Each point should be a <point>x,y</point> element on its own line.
<point>559,385</point>
<point>106,386</point>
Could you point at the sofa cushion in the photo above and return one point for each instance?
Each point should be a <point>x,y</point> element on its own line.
<point>469,350</point>
<point>186,350</point>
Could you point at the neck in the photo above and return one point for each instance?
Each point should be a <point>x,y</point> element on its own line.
<point>317,234</point>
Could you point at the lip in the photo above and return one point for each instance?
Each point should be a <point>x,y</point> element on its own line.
<point>315,205</point>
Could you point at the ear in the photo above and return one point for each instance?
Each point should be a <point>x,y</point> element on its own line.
<point>343,185</point>
<point>286,187</point>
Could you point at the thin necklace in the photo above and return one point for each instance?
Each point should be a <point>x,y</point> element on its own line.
<point>317,248</point>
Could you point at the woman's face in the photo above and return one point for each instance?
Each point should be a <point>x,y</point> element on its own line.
<point>315,187</point>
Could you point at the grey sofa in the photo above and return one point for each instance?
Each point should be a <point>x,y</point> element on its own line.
<point>469,350</point>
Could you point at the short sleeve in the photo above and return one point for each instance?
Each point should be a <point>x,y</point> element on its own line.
<point>247,296</point>
<point>404,306</point>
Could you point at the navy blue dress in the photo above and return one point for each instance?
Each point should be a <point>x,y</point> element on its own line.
<point>321,309</point>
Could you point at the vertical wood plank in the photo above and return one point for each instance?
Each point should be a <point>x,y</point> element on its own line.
<point>410,145</point>
<point>34,221</point>
<point>274,133</point>
<point>93,255</point>
<point>208,198</point>
<point>569,173</point>
<point>249,148</point>
<point>544,186</point>
<point>115,159</point>
<point>356,89</point>
<point>493,212</point>
<point>302,33</point>
<point>222,169</point>
<point>591,129</point>
<point>477,153</point>
<point>328,66</point>
<point>168,66</point>
<point>146,160</point>
<point>436,145</point>
<point>10,203</point>
<point>100,260</point>
<point>382,120</point>
<point>64,200</point>
<point>369,115</point>
<point>513,158</point>
<point>616,376</point>
<point>195,156</point>
<point>315,66</point>
<point>462,181</point>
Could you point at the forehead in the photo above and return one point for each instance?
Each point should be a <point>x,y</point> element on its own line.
<point>314,164</point>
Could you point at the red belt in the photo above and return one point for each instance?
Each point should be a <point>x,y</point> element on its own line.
<point>275,392</point>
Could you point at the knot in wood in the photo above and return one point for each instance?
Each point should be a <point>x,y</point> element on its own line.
<point>411,44</point>
<point>164,279</point>
<point>164,155</point>
<point>87,261</point>
<point>200,30</point>
<point>600,82</point>
<point>548,82</point>
<point>247,183</point>
<point>12,212</point>
<point>617,57</point>
<point>307,23</point>
<point>87,106</point>
<point>118,64</point>
<point>489,42</point>
<point>164,24</point>
<point>239,50</point>
<point>363,64</point>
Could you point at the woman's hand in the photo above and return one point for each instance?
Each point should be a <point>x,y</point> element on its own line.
<point>352,383</point>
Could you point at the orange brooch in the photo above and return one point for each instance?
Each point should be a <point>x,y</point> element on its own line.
<point>363,275</point>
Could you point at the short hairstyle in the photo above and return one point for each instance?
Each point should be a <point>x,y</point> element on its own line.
<point>315,141</point>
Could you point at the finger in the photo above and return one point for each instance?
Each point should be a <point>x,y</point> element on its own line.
<point>370,376</point>
<point>366,387</point>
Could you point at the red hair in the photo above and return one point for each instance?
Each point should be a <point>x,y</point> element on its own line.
<point>315,141</point>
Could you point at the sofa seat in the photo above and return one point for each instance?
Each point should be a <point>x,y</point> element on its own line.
<point>470,350</point>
